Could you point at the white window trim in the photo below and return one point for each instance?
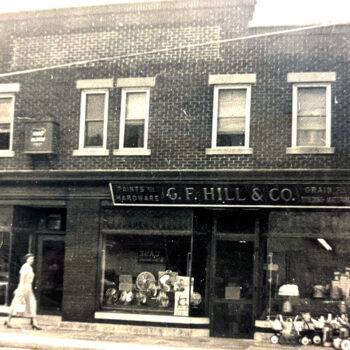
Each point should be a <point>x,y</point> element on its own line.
<point>294,149</point>
<point>220,79</point>
<point>9,152</point>
<point>136,82</point>
<point>131,150</point>
<point>95,84</point>
<point>92,151</point>
<point>234,149</point>
<point>311,77</point>
<point>8,88</point>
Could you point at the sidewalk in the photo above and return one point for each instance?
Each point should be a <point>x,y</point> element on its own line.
<point>71,338</point>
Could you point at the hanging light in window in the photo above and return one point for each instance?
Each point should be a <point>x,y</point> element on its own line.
<point>324,244</point>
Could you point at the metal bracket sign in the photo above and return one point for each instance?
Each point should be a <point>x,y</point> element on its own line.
<point>229,194</point>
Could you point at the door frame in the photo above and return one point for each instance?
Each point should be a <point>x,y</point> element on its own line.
<point>39,253</point>
<point>248,237</point>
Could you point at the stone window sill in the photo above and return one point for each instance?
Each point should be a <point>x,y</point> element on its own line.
<point>90,152</point>
<point>228,150</point>
<point>132,152</point>
<point>310,150</point>
<point>6,154</point>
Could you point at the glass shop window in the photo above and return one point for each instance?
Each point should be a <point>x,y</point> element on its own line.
<point>4,266</point>
<point>315,271</point>
<point>150,274</point>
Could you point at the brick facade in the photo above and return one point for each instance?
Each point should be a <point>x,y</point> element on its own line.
<point>181,101</point>
<point>149,40</point>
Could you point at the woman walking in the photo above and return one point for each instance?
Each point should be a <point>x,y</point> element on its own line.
<point>23,295</point>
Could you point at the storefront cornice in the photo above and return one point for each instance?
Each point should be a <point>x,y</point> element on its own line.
<point>159,175</point>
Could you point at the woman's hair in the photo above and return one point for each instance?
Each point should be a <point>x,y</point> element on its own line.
<point>27,256</point>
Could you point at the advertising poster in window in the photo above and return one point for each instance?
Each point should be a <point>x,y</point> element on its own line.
<point>182,296</point>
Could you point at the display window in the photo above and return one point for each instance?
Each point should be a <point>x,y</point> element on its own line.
<point>153,274</point>
<point>313,273</point>
<point>4,266</point>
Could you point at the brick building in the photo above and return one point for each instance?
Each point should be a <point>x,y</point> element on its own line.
<point>174,136</point>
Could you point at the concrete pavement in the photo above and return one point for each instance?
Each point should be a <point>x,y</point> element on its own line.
<point>69,336</point>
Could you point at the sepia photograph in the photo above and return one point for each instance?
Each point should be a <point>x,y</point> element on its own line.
<point>175,174</point>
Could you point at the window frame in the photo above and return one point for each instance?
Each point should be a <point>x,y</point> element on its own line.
<point>9,152</point>
<point>296,86</point>
<point>82,129</point>
<point>229,149</point>
<point>132,150</point>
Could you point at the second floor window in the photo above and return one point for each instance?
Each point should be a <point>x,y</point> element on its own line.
<point>311,115</point>
<point>94,112</point>
<point>134,118</point>
<point>6,120</point>
<point>231,116</point>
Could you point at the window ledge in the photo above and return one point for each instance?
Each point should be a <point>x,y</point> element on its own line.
<point>6,153</point>
<point>132,152</point>
<point>91,152</point>
<point>229,150</point>
<point>310,150</point>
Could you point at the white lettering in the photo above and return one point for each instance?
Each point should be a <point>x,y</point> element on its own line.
<point>171,193</point>
<point>189,192</point>
<point>286,194</point>
<point>209,193</point>
<point>273,196</point>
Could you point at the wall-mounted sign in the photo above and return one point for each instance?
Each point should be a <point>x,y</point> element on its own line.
<point>231,194</point>
<point>38,135</point>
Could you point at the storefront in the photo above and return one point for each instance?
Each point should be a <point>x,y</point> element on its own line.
<point>204,256</point>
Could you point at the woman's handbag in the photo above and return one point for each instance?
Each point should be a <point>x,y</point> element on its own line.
<point>20,304</point>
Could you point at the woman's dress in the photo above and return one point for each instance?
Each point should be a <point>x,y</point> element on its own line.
<point>24,292</point>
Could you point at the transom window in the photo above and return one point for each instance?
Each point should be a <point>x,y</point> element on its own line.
<point>311,115</point>
<point>134,118</point>
<point>231,116</point>
<point>6,120</point>
<point>94,112</point>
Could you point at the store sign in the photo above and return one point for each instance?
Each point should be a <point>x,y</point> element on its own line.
<point>38,135</point>
<point>231,194</point>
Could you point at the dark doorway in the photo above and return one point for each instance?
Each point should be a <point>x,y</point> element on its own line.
<point>49,275</point>
<point>234,275</point>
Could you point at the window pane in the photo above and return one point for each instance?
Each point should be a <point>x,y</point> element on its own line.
<point>4,136</point>
<point>308,263</point>
<point>127,258</point>
<point>134,134</point>
<point>5,110</point>
<point>231,132</point>
<point>94,134</point>
<point>231,125</point>
<point>135,105</point>
<point>95,105</point>
<point>312,123</point>
<point>311,138</point>
<point>230,140</point>
<point>232,103</point>
<point>4,266</point>
<point>312,101</point>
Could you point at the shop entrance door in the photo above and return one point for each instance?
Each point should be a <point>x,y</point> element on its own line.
<point>234,279</point>
<point>49,273</point>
